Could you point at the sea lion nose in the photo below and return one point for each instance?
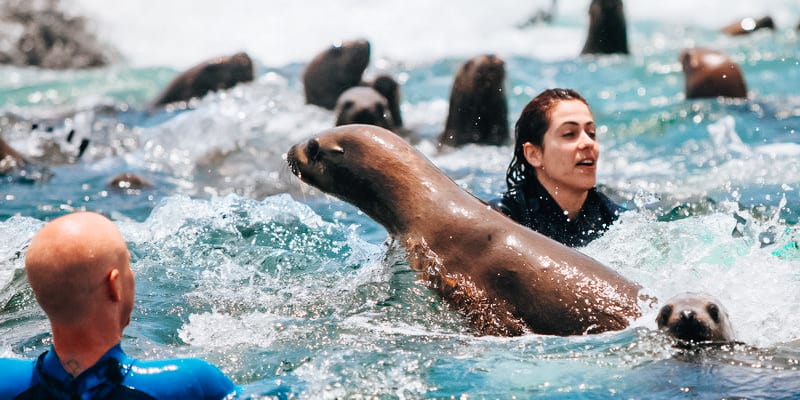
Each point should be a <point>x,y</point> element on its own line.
<point>312,149</point>
<point>687,315</point>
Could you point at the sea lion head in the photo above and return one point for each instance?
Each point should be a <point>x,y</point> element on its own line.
<point>128,181</point>
<point>335,70</point>
<point>711,73</point>
<point>367,166</point>
<point>363,105</point>
<point>608,33</point>
<point>695,318</point>
<point>484,72</point>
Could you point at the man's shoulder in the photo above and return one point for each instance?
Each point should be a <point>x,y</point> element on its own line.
<point>17,375</point>
<point>180,378</point>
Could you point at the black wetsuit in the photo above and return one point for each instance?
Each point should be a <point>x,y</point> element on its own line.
<point>536,209</point>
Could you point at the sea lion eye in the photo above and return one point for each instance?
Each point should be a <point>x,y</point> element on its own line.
<point>713,312</point>
<point>663,315</point>
<point>312,149</point>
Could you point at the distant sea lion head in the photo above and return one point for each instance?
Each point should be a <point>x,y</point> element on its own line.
<point>335,70</point>
<point>363,105</point>
<point>608,32</point>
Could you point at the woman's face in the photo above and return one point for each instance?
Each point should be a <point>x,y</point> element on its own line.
<point>567,159</point>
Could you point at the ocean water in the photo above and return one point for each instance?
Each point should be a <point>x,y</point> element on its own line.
<point>299,295</point>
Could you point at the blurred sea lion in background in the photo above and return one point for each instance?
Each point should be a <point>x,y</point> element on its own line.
<point>363,105</point>
<point>749,25</point>
<point>211,75</point>
<point>335,70</point>
<point>711,73</point>
<point>695,318</point>
<point>608,32</point>
<point>128,181</point>
<point>390,89</point>
<point>42,34</point>
<point>478,108</point>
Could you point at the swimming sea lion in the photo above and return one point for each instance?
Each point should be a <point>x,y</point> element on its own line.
<point>608,33</point>
<point>506,279</point>
<point>711,73</point>
<point>211,75</point>
<point>478,108</point>
<point>749,25</point>
<point>363,105</point>
<point>695,318</point>
<point>335,70</point>
<point>127,181</point>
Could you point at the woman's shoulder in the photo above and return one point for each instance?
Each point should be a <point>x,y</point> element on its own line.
<point>509,204</point>
<point>607,204</point>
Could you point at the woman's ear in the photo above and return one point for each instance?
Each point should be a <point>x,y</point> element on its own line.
<point>533,154</point>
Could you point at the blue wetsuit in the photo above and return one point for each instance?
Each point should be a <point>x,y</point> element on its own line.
<point>114,376</point>
<point>535,208</point>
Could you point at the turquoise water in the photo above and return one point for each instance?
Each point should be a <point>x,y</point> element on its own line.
<point>297,294</point>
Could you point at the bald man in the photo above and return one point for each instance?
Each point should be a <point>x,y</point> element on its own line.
<point>78,266</point>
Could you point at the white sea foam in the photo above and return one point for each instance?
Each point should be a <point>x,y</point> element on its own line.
<point>180,33</point>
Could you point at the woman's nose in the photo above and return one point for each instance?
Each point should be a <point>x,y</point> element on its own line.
<point>586,141</point>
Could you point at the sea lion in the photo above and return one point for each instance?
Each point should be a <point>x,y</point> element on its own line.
<point>694,318</point>
<point>335,70</point>
<point>478,108</point>
<point>211,75</point>
<point>749,25</point>
<point>128,181</point>
<point>390,89</point>
<point>505,278</point>
<point>608,33</point>
<point>363,105</point>
<point>48,34</point>
<point>711,73</point>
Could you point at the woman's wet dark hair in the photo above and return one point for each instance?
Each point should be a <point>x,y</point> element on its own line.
<point>531,126</point>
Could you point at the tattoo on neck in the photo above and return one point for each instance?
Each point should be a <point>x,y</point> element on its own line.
<point>72,366</point>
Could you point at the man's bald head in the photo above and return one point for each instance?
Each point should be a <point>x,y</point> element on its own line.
<point>79,265</point>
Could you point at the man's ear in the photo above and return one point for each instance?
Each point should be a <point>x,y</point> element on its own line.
<point>114,285</point>
<point>533,154</point>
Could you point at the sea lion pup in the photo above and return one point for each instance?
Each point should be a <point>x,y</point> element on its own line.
<point>335,70</point>
<point>749,25</point>
<point>363,105</point>
<point>608,33</point>
<point>478,108</point>
<point>211,75</point>
<point>695,318</point>
<point>505,278</point>
<point>711,73</point>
